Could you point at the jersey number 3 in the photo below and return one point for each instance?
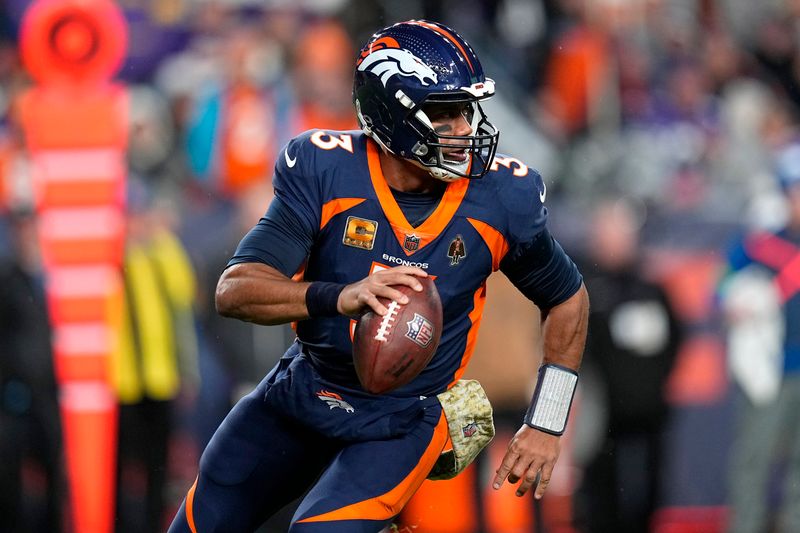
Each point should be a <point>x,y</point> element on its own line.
<point>326,141</point>
<point>520,168</point>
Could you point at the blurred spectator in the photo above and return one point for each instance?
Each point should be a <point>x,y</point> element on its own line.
<point>633,340</point>
<point>15,182</point>
<point>761,298</point>
<point>156,29</point>
<point>151,139</point>
<point>30,428</point>
<point>776,52</point>
<point>577,76</point>
<point>322,71</point>
<point>238,123</point>
<point>156,361</point>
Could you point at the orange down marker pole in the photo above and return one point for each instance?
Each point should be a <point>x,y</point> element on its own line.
<point>75,122</point>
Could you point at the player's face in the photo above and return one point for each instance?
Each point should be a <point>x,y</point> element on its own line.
<point>452,119</point>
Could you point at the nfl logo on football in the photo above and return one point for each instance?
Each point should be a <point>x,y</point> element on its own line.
<point>420,330</point>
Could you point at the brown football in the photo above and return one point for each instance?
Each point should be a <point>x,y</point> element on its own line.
<point>391,350</point>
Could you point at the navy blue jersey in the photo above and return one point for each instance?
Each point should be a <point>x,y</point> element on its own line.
<point>347,224</point>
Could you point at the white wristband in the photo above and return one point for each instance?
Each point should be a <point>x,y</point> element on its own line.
<point>552,399</point>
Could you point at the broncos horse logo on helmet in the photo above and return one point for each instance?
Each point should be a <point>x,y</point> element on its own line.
<point>396,61</point>
<point>412,64</point>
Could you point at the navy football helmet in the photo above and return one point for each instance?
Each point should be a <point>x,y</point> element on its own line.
<point>407,68</point>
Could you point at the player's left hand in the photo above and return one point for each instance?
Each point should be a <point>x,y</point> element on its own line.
<point>530,452</point>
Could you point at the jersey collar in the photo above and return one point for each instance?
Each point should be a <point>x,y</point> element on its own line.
<point>433,225</point>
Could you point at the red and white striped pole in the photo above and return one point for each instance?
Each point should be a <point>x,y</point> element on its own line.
<point>75,122</point>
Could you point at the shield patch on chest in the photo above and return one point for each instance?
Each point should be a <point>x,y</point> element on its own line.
<point>411,243</point>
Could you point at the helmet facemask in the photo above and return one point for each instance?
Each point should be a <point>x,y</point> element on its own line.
<point>450,157</point>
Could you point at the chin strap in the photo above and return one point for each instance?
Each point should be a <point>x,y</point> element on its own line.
<point>438,172</point>
<point>441,174</point>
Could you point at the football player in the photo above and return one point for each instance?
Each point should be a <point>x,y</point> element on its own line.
<point>418,192</point>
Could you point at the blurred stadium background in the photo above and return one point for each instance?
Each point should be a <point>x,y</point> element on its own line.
<point>674,107</point>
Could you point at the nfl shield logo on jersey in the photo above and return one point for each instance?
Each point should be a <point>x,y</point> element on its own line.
<point>411,243</point>
<point>420,330</point>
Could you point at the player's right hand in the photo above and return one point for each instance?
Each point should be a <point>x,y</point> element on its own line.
<point>531,457</point>
<point>361,296</point>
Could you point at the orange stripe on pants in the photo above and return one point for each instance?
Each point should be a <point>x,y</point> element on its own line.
<point>189,504</point>
<point>389,504</point>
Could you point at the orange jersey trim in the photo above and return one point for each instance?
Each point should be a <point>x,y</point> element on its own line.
<point>389,504</point>
<point>447,35</point>
<point>189,504</point>
<point>475,317</point>
<point>495,240</point>
<point>433,226</point>
<point>334,207</point>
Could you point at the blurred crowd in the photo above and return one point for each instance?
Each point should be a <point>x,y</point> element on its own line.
<point>658,124</point>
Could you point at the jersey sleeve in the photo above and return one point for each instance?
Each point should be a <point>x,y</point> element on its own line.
<point>542,270</point>
<point>283,237</point>
<point>296,182</point>
<point>535,263</point>
<point>278,240</point>
<point>524,201</point>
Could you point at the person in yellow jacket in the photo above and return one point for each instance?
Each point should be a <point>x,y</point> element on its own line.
<point>156,360</point>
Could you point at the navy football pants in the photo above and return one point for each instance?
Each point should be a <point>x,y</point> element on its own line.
<point>269,450</point>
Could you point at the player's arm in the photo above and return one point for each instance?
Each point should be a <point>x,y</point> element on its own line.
<point>257,287</point>
<point>534,450</point>
<point>257,292</point>
<point>546,275</point>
